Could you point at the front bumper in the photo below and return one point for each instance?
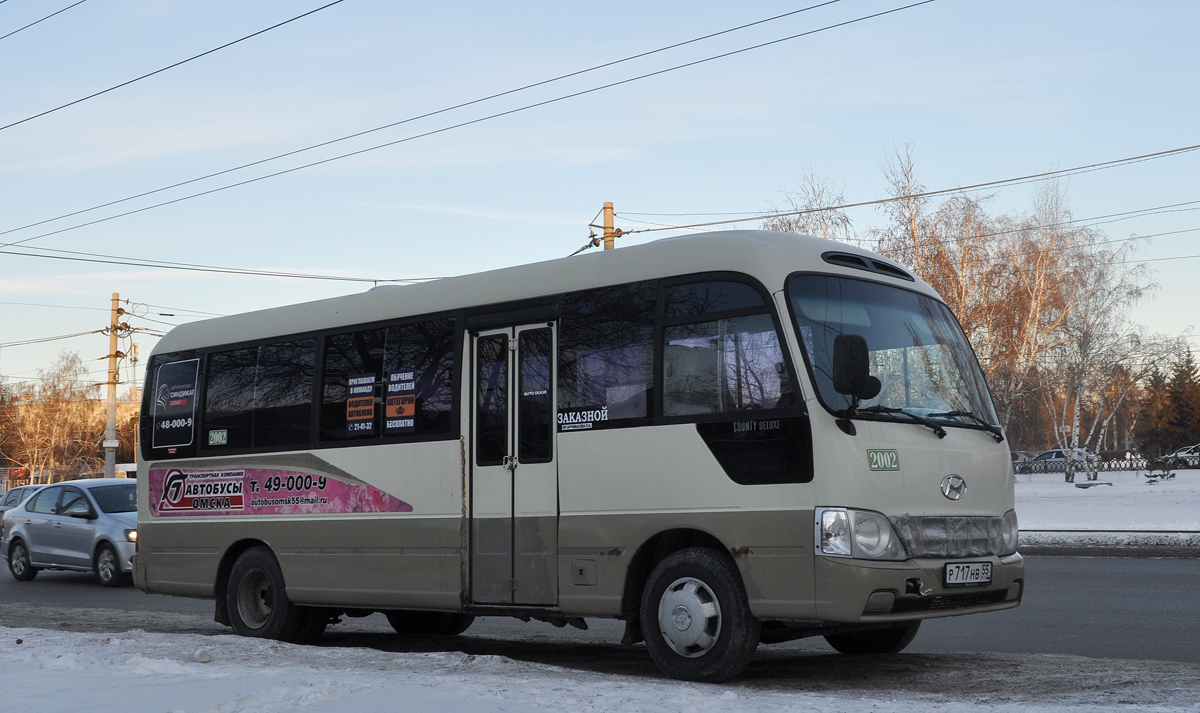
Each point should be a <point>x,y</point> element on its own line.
<point>125,552</point>
<point>844,589</point>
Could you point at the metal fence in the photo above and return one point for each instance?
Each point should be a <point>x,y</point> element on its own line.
<point>1083,466</point>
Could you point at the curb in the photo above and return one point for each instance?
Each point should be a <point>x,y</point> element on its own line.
<point>1097,543</point>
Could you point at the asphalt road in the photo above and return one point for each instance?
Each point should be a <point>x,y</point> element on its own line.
<point>1096,607</point>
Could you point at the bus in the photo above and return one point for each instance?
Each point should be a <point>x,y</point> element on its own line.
<point>723,440</point>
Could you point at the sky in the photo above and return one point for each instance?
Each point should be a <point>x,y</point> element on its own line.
<point>981,91</point>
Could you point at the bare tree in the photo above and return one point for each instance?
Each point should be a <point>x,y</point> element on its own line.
<point>816,203</point>
<point>54,425</point>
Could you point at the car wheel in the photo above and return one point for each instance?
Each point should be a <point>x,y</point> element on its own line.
<point>107,567</point>
<point>19,564</point>
<point>891,640</point>
<point>428,623</point>
<point>696,618</point>
<point>257,599</point>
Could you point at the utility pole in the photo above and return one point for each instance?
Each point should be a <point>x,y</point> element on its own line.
<point>609,233</point>
<point>110,430</point>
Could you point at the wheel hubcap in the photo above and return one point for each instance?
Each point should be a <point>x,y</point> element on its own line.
<point>254,598</point>
<point>18,562</point>
<point>107,565</point>
<point>689,617</point>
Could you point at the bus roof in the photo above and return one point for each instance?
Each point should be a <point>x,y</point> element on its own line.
<point>768,256</point>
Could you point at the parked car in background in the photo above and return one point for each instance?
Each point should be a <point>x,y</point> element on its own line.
<point>1186,457</point>
<point>1055,460</point>
<point>1020,457</point>
<point>15,496</point>
<point>79,525</point>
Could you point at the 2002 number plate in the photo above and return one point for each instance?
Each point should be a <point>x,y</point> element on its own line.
<point>968,574</point>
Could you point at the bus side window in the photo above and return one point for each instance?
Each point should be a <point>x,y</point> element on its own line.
<point>723,366</point>
<point>261,396</point>
<point>402,381</point>
<point>606,355</point>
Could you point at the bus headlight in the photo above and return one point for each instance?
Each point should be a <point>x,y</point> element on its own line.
<point>860,534</point>
<point>1009,533</point>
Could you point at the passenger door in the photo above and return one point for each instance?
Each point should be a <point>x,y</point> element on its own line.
<point>514,481</point>
<point>74,535</point>
<point>39,526</point>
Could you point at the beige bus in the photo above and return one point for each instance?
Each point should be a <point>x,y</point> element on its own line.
<point>723,440</point>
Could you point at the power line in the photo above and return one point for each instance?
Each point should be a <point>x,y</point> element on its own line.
<point>926,194</point>
<point>192,267</point>
<point>158,71</point>
<point>425,115</point>
<point>50,339</point>
<point>437,131</point>
<point>37,304</point>
<point>47,17</point>
<point>176,309</point>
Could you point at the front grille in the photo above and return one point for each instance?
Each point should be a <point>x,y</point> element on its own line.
<point>950,536</point>
<point>947,601</point>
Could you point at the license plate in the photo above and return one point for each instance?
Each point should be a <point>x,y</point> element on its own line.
<point>968,574</point>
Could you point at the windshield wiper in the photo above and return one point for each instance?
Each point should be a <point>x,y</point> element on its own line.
<point>994,430</point>
<point>941,432</point>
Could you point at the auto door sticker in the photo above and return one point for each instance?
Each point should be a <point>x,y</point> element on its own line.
<point>255,491</point>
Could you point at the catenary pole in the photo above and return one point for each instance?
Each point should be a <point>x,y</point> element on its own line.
<point>609,234</point>
<point>110,429</point>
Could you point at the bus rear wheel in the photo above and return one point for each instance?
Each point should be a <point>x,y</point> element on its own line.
<point>257,600</point>
<point>891,640</point>
<point>428,623</point>
<point>696,618</point>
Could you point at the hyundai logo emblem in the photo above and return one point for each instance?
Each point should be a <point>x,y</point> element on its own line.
<point>954,487</point>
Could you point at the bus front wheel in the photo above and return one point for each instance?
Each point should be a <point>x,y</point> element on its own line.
<point>891,640</point>
<point>696,618</point>
<point>258,603</point>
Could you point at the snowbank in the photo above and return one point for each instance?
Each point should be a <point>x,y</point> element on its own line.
<point>140,671</point>
<point>1129,504</point>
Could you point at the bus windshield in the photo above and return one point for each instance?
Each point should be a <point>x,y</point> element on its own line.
<point>918,351</point>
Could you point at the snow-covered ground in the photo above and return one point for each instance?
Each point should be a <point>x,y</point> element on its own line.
<point>136,671</point>
<point>1130,503</point>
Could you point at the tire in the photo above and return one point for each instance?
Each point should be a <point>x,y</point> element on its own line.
<point>18,562</point>
<point>257,598</point>
<point>891,640</point>
<point>107,566</point>
<point>696,618</point>
<point>312,624</point>
<point>428,623</point>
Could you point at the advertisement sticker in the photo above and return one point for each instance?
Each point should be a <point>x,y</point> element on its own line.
<point>360,405</point>
<point>174,407</point>
<point>257,491</point>
<point>401,404</point>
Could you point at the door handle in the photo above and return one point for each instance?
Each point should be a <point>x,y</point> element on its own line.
<point>58,524</point>
<point>509,462</point>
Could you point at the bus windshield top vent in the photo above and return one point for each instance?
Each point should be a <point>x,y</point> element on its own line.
<point>859,262</point>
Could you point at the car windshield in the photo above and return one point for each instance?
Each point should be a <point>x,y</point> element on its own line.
<point>918,351</point>
<point>116,498</point>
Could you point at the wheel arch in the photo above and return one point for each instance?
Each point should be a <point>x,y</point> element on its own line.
<point>653,551</point>
<point>224,567</point>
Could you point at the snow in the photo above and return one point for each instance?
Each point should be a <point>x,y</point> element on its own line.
<point>168,673</point>
<point>1130,504</point>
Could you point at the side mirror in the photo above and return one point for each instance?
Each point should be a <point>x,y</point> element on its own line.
<point>852,368</point>
<point>83,511</point>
